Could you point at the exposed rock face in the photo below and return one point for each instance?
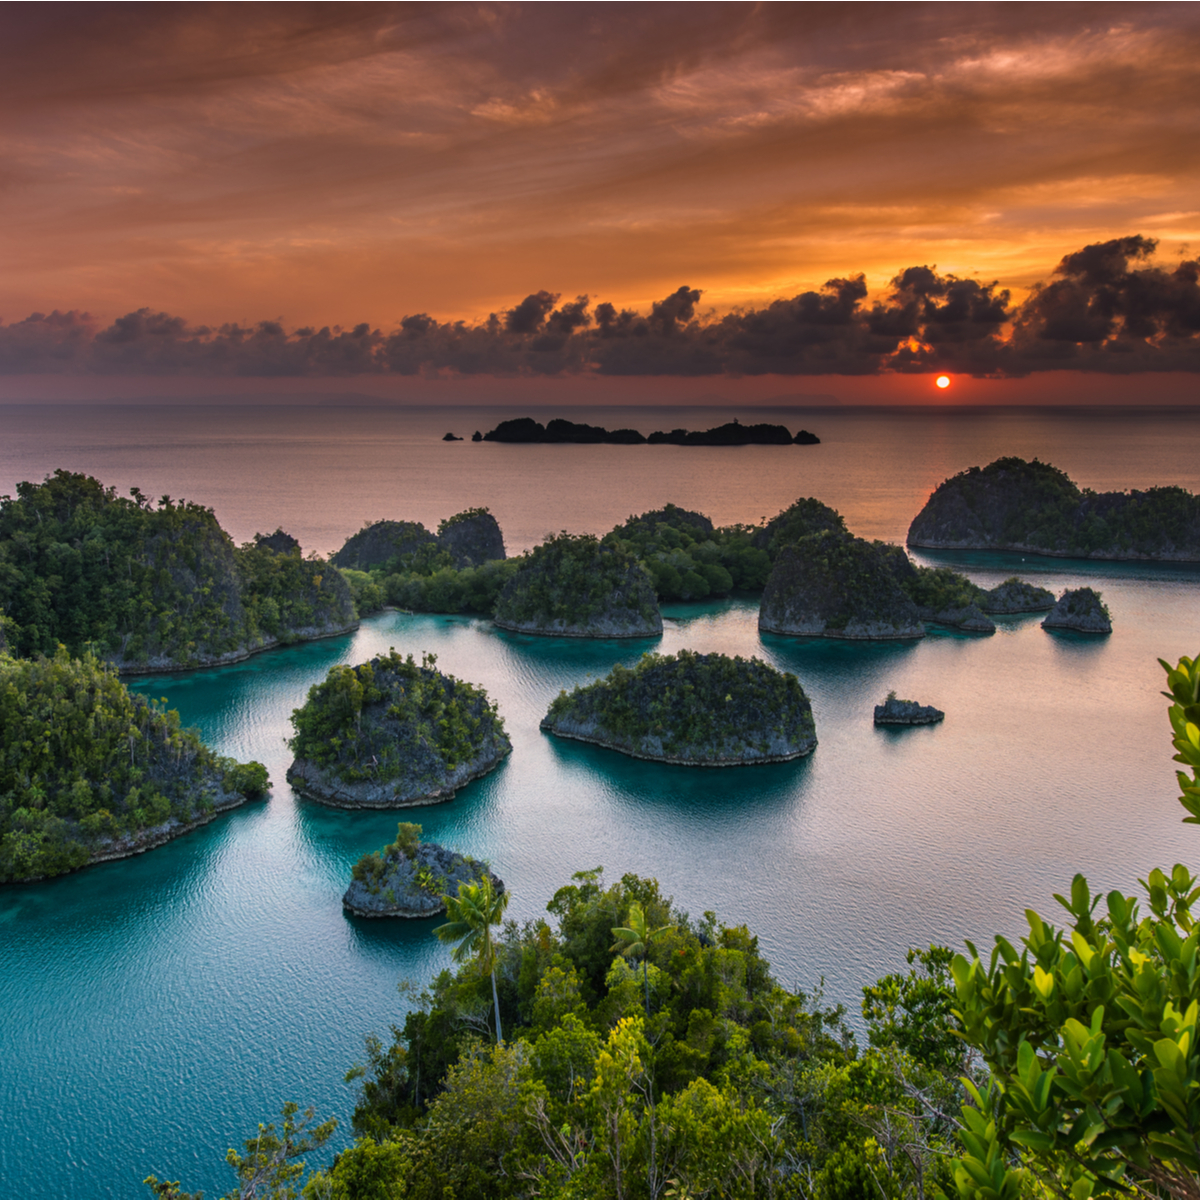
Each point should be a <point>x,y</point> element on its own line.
<point>697,710</point>
<point>279,542</point>
<point>1035,508</point>
<point>1081,610</point>
<point>414,886</point>
<point>835,585</point>
<point>802,519</point>
<point>906,712</point>
<point>969,619</point>
<point>391,734</point>
<point>374,545</point>
<point>580,587</point>
<point>471,538</point>
<point>1016,596</point>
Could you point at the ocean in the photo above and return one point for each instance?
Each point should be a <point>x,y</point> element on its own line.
<point>153,1011</point>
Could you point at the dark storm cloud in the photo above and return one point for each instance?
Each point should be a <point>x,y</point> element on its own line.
<point>1108,307</point>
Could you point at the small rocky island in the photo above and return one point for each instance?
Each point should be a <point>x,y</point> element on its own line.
<point>906,712</point>
<point>1035,508</point>
<point>697,710</point>
<point>525,430</point>
<point>579,587</point>
<point>831,584</point>
<point>390,734</point>
<point>467,539</point>
<point>1016,596</point>
<point>411,878</point>
<point>90,772</point>
<point>1081,610</point>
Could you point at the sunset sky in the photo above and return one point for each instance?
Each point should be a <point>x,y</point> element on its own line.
<point>415,200</point>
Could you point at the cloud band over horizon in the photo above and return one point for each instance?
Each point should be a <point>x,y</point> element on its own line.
<point>1107,308</point>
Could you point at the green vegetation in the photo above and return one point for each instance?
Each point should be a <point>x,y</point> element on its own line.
<point>86,767</point>
<point>469,920</point>
<point>694,708</point>
<point>1014,504</point>
<point>373,866</point>
<point>688,559</point>
<point>1090,1031</point>
<point>800,520</point>
<point>834,584</point>
<point>579,584</point>
<point>390,718</point>
<point>939,588</point>
<point>137,583</point>
<point>446,590</point>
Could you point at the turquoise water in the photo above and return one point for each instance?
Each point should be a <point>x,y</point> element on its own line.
<point>152,1011</point>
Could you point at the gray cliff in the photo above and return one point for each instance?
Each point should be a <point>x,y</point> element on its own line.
<point>413,884</point>
<point>834,585</point>
<point>1081,610</point>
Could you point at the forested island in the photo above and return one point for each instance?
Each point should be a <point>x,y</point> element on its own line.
<point>687,557</point>
<point>411,878</point>
<point>1081,610</point>
<point>831,584</point>
<point>703,710</point>
<point>579,587</point>
<point>1035,508</point>
<point>153,587</point>
<point>558,431</point>
<point>90,772</point>
<point>390,733</point>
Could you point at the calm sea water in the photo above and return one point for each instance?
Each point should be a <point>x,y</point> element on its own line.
<point>153,1011</point>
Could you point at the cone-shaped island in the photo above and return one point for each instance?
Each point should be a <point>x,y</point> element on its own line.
<point>390,734</point>
<point>698,710</point>
<point>580,587</point>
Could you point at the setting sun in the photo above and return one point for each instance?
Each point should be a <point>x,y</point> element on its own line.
<point>943,381</point>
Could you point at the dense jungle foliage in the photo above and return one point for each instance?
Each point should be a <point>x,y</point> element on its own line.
<point>697,707</point>
<point>836,579</point>
<point>131,581</point>
<point>652,1055</point>
<point>84,762</point>
<point>389,718</point>
<point>577,581</point>
<point>688,559</point>
<point>1014,503</point>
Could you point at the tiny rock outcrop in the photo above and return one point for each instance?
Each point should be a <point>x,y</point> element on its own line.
<point>411,878</point>
<point>906,712</point>
<point>1081,610</point>
<point>1016,596</point>
<point>390,734</point>
<point>835,585</point>
<point>450,437</point>
<point>580,587</point>
<point>698,710</point>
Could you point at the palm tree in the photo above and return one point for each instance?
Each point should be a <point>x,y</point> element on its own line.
<point>636,939</point>
<point>471,917</point>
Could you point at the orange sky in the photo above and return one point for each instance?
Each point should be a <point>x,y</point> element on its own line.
<point>330,164</point>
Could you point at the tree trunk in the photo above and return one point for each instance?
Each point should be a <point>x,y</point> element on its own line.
<point>496,1001</point>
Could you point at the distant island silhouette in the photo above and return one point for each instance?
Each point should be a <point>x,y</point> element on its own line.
<point>562,432</point>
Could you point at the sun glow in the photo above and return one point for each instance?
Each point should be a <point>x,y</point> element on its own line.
<point>943,381</point>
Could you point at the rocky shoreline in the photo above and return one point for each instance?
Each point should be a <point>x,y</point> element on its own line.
<point>411,882</point>
<point>746,760</point>
<point>323,787</point>
<point>160,665</point>
<point>906,712</point>
<point>129,845</point>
